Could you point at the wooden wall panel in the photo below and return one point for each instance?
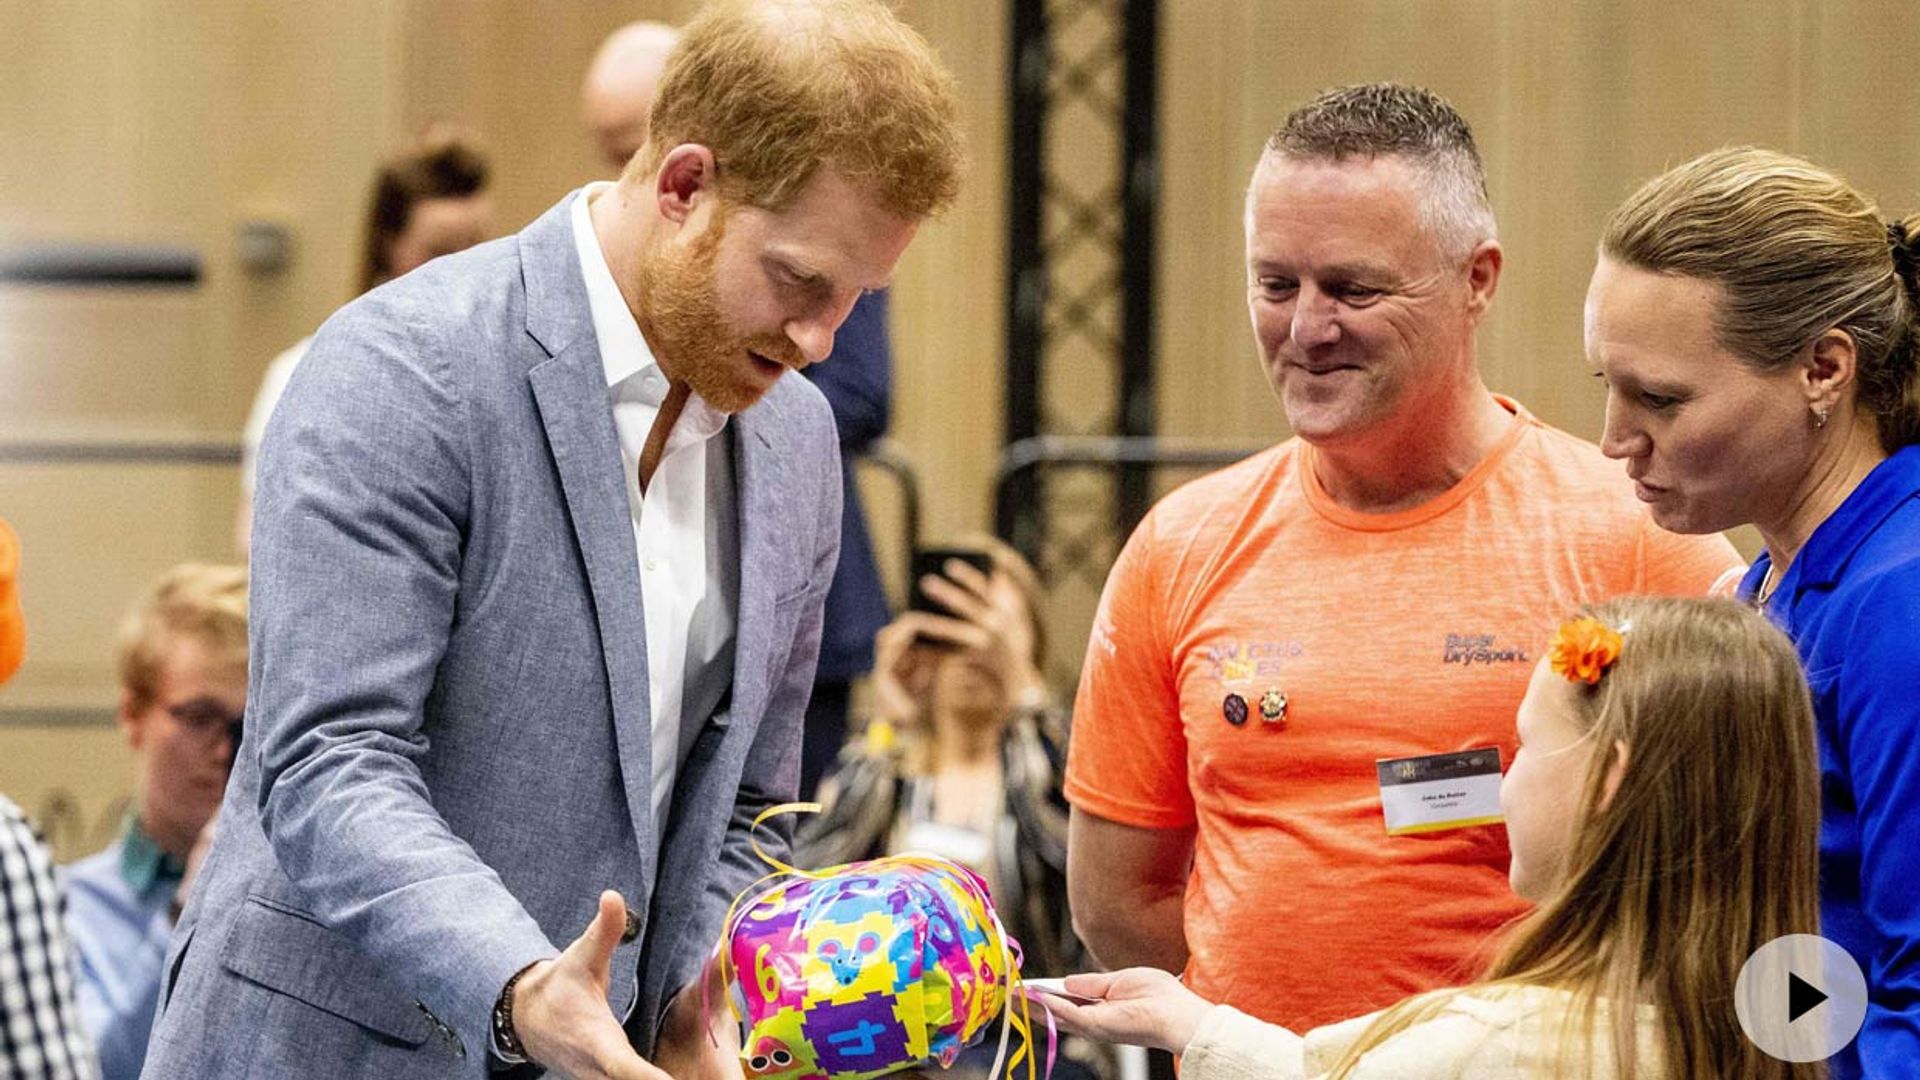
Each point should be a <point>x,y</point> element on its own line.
<point>1573,105</point>
<point>510,71</point>
<point>74,781</point>
<point>140,123</point>
<point>949,327</point>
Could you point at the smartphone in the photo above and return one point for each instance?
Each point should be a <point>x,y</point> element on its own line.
<point>934,561</point>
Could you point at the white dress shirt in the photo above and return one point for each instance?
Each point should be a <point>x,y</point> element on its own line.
<point>685,531</point>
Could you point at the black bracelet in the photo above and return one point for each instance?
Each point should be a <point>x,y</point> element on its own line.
<point>506,1043</point>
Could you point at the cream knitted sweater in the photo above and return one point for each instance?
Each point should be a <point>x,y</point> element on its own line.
<point>1505,1034</point>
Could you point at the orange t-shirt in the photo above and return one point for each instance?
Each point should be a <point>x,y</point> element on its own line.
<point>13,630</point>
<point>1391,635</point>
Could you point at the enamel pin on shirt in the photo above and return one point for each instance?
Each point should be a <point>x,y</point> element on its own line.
<point>1234,709</point>
<point>1273,707</point>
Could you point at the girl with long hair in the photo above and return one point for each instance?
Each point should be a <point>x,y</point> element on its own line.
<point>1663,812</point>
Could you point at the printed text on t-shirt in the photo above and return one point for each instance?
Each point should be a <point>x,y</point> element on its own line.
<point>1470,649</point>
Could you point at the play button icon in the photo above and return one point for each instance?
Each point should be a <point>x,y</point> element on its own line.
<point>1800,998</point>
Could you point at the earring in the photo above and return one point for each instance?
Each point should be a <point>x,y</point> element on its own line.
<point>1820,417</point>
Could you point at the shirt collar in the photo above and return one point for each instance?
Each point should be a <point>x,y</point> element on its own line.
<point>1834,541</point>
<point>624,354</point>
<point>142,864</point>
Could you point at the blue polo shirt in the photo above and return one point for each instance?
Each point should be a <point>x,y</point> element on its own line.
<point>1851,603</point>
<point>118,917</point>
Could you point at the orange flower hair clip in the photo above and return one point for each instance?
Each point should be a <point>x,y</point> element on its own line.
<point>1583,649</point>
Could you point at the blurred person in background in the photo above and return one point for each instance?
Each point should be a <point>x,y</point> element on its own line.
<point>40,1033</point>
<point>1758,327</point>
<point>616,98</point>
<point>183,690</point>
<point>962,756</point>
<point>428,200</point>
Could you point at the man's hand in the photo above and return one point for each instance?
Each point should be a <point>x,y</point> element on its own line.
<point>692,1051</point>
<point>1142,1006</point>
<point>560,1007</point>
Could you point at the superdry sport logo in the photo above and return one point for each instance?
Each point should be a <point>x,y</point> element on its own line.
<point>1470,649</point>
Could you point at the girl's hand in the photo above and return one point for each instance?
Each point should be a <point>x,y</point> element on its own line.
<point>1143,1006</point>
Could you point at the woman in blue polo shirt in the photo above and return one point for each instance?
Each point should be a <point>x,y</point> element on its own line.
<point>1755,322</point>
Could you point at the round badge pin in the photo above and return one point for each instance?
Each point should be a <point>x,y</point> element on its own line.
<point>1234,709</point>
<point>1273,707</point>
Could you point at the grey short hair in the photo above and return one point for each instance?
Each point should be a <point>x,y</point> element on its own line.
<point>1410,123</point>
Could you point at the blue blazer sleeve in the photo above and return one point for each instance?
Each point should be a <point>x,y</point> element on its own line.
<point>358,546</point>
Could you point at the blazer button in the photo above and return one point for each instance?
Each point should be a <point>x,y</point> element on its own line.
<point>632,930</point>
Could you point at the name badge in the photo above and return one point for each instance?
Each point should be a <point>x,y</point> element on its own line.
<point>1441,791</point>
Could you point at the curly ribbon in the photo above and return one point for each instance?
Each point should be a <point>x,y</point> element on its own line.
<point>1053,1029</point>
<point>1014,1017</point>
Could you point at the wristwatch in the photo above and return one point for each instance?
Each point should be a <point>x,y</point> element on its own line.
<point>506,1044</point>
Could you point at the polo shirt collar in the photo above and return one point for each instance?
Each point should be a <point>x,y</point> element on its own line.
<point>142,864</point>
<point>1835,540</point>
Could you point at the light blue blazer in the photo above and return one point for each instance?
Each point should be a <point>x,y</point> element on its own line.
<point>447,751</point>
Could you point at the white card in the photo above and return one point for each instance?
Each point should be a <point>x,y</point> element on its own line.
<point>1441,791</point>
<point>1058,988</point>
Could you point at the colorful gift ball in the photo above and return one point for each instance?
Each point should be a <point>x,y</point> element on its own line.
<point>865,969</point>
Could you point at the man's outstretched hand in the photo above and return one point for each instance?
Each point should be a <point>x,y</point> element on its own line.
<point>560,1008</point>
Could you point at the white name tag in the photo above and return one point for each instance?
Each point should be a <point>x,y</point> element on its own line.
<point>1441,791</point>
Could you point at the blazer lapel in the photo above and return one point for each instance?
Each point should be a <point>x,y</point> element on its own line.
<point>758,478</point>
<point>570,390</point>
<point>762,474</point>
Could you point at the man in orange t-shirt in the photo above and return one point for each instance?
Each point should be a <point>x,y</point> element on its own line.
<point>1377,588</point>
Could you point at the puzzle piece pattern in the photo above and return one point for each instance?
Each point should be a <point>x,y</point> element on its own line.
<point>866,969</point>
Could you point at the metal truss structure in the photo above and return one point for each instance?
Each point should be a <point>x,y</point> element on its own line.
<point>1082,198</point>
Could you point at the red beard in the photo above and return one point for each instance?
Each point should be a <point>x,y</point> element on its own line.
<point>690,338</point>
